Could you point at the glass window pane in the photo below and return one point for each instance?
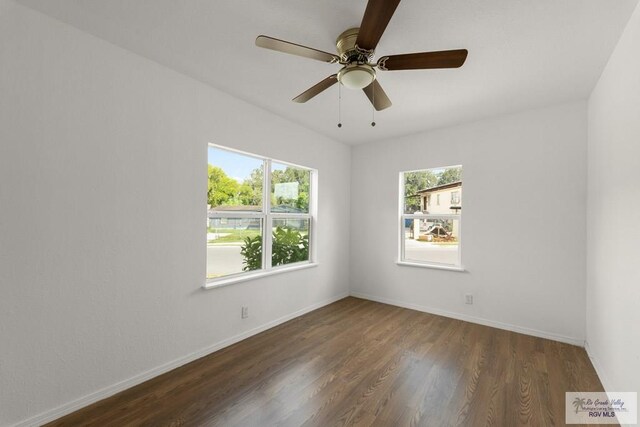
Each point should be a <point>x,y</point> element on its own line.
<point>235,181</point>
<point>289,189</point>
<point>431,240</point>
<point>422,190</point>
<point>234,245</point>
<point>290,240</point>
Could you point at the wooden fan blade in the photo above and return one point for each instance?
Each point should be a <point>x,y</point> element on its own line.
<point>424,60</point>
<point>376,95</point>
<point>316,89</point>
<point>295,49</point>
<point>376,17</point>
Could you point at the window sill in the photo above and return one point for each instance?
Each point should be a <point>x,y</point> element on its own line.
<point>212,284</point>
<point>433,266</point>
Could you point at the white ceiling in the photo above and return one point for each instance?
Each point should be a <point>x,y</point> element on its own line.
<point>522,53</point>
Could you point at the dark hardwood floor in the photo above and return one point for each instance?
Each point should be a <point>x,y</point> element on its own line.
<point>357,362</point>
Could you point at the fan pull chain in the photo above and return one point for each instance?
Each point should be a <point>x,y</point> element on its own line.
<point>373,106</point>
<point>339,105</point>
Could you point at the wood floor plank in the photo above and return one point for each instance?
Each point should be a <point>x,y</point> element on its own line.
<point>358,362</point>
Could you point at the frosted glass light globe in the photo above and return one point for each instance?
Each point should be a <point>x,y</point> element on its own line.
<point>356,77</point>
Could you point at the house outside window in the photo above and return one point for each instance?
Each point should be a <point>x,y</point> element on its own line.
<point>431,237</point>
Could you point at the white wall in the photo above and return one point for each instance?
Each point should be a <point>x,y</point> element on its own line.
<point>102,206</point>
<point>613,220</point>
<point>525,261</point>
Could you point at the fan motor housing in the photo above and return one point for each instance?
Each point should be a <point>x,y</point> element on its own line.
<point>348,50</point>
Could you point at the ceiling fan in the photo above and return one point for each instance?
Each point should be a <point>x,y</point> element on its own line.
<point>356,49</point>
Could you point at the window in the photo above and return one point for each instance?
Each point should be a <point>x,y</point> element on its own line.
<point>433,237</point>
<point>455,197</point>
<point>260,215</point>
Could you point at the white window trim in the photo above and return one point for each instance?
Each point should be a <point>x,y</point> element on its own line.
<point>252,275</point>
<point>401,238</point>
<point>267,219</point>
<point>434,266</point>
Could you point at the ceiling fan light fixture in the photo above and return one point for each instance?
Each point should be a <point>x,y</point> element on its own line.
<point>356,76</point>
<point>356,50</point>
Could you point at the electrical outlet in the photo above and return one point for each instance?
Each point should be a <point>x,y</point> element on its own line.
<point>468,298</point>
<point>245,312</point>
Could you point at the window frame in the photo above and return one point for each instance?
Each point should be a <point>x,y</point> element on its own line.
<point>401,230</point>
<point>455,197</point>
<point>267,218</point>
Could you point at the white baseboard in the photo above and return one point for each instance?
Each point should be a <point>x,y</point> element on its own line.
<point>598,367</point>
<point>506,326</point>
<point>70,407</point>
<point>604,379</point>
